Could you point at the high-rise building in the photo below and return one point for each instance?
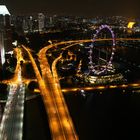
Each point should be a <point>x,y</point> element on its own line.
<point>51,20</point>
<point>41,22</point>
<point>5,32</point>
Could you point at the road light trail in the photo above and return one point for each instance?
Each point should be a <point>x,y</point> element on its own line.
<point>17,75</point>
<point>46,48</point>
<point>62,106</point>
<point>15,79</point>
<point>65,119</point>
<point>54,119</point>
<point>12,121</point>
<point>132,86</point>
<point>121,86</point>
<point>11,127</point>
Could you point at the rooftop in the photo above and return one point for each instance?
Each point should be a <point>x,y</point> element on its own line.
<point>4,10</point>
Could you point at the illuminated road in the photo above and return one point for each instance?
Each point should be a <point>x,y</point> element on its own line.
<point>15,79</point>
<point>65,119</point>
<point>69,43</point>
<point>60,127</point>
<point>11,127</point>
<point>17,69</point>
<point>122,86</point>
<point>62,106</point>
<point>132,86</point>
<point>53,119</point>
<point>12,121</point>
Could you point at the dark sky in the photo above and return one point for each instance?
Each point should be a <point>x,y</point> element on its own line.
<point>75,7</point>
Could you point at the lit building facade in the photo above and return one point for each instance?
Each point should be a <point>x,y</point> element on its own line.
<point>41,22</point>
<point>5,33</point>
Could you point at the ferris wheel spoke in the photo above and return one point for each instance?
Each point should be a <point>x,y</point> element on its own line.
<point>100,68</point>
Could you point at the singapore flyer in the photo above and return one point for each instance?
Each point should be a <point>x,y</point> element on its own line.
<point>101,68</point>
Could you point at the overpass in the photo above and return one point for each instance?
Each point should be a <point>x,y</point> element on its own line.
<point>59,119</point>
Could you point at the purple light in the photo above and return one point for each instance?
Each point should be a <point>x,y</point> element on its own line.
<point>92,45</point>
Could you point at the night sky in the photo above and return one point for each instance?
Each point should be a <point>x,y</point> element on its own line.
<point>74,7</point>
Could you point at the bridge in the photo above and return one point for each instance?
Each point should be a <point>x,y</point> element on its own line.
<point>60,122</point>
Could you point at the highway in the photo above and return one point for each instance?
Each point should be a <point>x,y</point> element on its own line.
<point>59,124</point>
<point>12,121</point>
<point>69,43</point>
<point>62,106</point>
<point>133,86</point>
<point>64,116</point>
<point>11,127</point>
<point>15,79</point>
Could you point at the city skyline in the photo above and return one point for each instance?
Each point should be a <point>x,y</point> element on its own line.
<point>82,8</point>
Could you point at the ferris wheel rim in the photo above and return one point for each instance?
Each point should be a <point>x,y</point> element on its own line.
<point>109,63</point>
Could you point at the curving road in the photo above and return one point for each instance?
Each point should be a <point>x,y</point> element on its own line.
<point>55,91</point>
<point>58,122</point>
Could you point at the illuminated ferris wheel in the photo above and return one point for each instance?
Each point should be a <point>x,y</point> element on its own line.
<point>101,65</point>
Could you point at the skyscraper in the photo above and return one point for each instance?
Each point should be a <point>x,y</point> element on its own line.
<point>5,36</point>
<point>41,22</point>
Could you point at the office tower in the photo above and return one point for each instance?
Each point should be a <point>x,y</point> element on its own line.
<point>41,22</point>
<point>5,32</point>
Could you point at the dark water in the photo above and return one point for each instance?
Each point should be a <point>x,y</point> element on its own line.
<point>130,60</point>
<point>35,121</point>
<point>111,115</point>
